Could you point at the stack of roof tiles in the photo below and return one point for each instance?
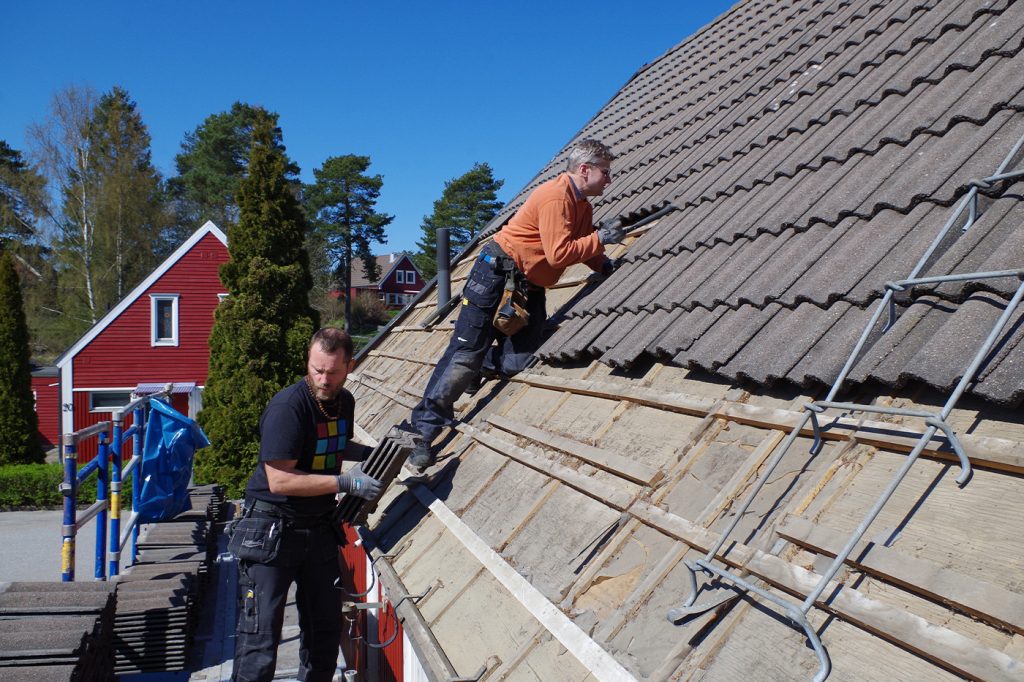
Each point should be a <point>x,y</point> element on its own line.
<point>159,596</point>
<point>56,631</point>
<point>814,149</point>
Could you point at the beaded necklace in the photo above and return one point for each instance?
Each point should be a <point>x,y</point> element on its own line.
<point>320,406</point>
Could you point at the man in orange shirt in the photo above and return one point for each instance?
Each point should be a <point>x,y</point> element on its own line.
<point>551,231</point>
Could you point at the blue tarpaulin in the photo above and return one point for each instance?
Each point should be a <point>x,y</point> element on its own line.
<point>166,467</point>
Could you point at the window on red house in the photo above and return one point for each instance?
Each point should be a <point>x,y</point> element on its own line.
<point>164,319</point>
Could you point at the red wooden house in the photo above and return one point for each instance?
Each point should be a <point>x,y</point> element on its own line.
<point>156,335</point>
<point>398,283</point>
<point>46,393</point>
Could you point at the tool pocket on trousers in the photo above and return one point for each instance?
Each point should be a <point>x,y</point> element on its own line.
<point>484,286</point>
<point>256,539</point>
<point>249,616</point>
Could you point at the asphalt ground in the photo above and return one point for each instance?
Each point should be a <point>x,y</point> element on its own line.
<point>30,550</point>
<point>30,547</point>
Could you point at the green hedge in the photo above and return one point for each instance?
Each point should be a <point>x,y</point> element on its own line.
<point>35,486</point>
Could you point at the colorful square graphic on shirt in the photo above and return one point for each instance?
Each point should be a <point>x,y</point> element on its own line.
<point>330,440</point>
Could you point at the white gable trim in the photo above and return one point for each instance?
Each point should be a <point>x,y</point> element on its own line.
<point>385,275</point>
<point>179,253</point>
<point>67,397</point>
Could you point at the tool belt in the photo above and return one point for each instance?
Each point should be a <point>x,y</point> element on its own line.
<point>262,509</point>
<point>511,315</point>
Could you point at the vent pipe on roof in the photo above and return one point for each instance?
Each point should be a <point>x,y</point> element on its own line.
<point>444,279</point>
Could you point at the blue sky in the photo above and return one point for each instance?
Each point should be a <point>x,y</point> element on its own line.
<point>425,89</point>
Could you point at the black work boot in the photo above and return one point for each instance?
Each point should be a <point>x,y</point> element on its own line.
<point>421,457</point>
<point>478,381</point>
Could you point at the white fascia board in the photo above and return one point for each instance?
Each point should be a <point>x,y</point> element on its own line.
<point>67,382</point>
<point>179,253</point>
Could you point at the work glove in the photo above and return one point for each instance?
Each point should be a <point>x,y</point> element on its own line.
<point>355,482</point>
<point>610,266</point>
<point>611,232</point>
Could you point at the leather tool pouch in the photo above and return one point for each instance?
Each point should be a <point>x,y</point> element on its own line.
<point>256,538</point>
<point>511,315</point>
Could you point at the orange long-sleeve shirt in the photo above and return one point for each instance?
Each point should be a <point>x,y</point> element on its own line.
<point>552,230</point>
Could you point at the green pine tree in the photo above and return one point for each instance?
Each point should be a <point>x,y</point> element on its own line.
<point>467,204</point>
<point>260,332</point>
<point>130,206</point>
<point>21,196</point>
<point>341,206</point>
<point>19,443</point>
<point>214,159</point>
<point>94,153</point>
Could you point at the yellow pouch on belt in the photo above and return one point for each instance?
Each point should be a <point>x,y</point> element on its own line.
<point>511,315</point>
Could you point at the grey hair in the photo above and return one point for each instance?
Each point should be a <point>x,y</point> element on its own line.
<point>588,151</point>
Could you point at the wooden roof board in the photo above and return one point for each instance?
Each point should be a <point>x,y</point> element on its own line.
<point>511,497</point>
<point>645,653</point>
<point>471,619</point>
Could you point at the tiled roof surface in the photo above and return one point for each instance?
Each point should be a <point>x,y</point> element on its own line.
<point>815,150</point>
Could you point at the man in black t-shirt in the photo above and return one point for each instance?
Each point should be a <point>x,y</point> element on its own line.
<point>285,534</point>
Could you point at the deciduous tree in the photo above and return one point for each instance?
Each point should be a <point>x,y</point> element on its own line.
<point>341,207</point>
<point>107,210</point>
<point>60,147</point>
<point>130,202</point>
<point>467,204</point>
<point>259,337</point>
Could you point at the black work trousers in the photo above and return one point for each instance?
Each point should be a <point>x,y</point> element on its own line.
<point>309,558</point>
<point>476,344</point>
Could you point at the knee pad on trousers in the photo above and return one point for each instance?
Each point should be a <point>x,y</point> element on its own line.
<point>459,375</point>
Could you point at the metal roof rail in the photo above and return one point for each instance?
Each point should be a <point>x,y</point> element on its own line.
<point>797,612</point>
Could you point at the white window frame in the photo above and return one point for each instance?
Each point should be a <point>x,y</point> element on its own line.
<point>222,297</point>
<point>410,277</point>
<point>154,300</point>
<point>108,409</point>
<point>400,276</point>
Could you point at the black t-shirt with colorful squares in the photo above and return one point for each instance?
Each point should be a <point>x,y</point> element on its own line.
<point>292,427</point>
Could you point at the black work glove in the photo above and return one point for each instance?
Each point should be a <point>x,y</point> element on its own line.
<point>357,483</point>
<point>611,266</point>
<point>611,232</point>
